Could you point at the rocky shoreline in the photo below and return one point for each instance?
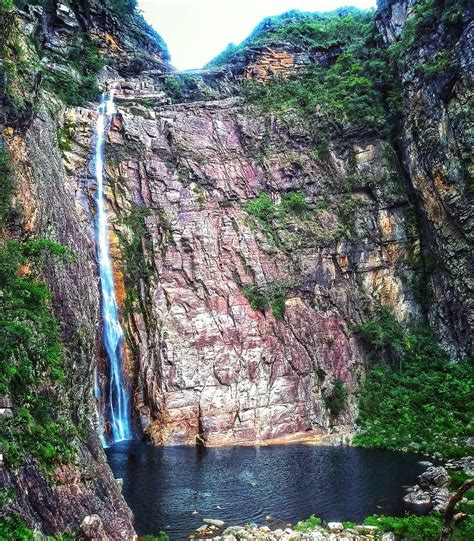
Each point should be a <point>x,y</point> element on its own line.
<point>334,531</point>
<point>432,493</point>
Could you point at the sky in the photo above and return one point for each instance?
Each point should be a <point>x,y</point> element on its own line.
<point>198,30</point>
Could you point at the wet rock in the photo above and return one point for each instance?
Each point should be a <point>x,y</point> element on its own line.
<point>440,499</point>
<point>214,522</point>
<point>434,476</point>
<point>418,497</point>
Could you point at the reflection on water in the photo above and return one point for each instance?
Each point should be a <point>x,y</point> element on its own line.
<point>164,486</point>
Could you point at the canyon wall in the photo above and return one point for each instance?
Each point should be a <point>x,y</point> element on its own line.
<point>245,254</point>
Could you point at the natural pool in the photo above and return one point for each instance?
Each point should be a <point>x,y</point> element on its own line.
<point>174,488</point>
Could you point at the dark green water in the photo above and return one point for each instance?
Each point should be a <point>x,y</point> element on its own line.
<point>164,486</point>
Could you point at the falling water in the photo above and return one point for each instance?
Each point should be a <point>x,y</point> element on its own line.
<point>119,401</point>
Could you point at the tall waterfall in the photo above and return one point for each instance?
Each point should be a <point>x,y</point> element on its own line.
<point>119,400</point>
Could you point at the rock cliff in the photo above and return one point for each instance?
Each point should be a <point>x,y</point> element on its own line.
<point>249,244</point>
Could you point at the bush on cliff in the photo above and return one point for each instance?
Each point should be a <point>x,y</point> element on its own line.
<point>6,183</point>
<point>414,397</point>
<point>350,90</point>
<point>31,359</point>
<point>273,295</point>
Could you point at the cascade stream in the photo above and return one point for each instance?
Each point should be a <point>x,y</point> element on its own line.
<point>118,408</point>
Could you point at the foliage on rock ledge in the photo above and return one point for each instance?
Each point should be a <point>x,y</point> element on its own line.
<point>31,359</point>
<point>350,91</point>
<point>414,397</point>
<point>16,529</point>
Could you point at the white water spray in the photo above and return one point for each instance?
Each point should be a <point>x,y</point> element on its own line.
<point>119,400</point>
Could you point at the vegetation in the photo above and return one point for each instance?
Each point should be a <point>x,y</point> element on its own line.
<point>413,397</point>
<point>78,85</point>
<point>350,91</point>
<point>16,529</point>
<point>162,536</point>
<point>134,244</point>
<point>426,15</point>
<point>420,528</point>
<point>308,524</point>
<point>272,295</point>
<point>176,87</point>
<point>267,213</point>
<point>31,359</point>
<point>6,183</point>
<point>336,401</point>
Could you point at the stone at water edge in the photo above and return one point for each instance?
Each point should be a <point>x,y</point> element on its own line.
<point>335,527</point>
<point>214,522</point>
<point>389,536</point>
<point>418,497</point>
<point>434,475</point>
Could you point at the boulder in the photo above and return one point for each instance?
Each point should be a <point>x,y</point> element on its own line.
<point>418,497</point>
<point>434,476</point>
<point>335,527</point>
<point>93,529</point>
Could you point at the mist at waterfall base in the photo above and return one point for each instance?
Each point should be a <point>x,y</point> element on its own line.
<point>118,406</point>
<point>164,486</point>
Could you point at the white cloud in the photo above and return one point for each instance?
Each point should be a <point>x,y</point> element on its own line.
<point>198,30</point>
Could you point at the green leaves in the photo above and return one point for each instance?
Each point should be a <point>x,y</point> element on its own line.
<point>272,295</point>
<point>349,91</point>
<point>31,358</point>
<point>414,397</point>
<point>336,401</point>
<point>6,183</point>
<point>262,207</point>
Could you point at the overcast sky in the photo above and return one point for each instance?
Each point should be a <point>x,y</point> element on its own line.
<point>198,30</point>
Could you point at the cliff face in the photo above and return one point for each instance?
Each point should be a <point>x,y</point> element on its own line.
<point>436,69</point>
<point>248,244</point>
<point>80,497</point>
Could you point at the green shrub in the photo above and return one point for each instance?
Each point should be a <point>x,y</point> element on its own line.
<point>350,91</point>
<point>440,65</point>
<point>31,360</point>
<point>6,183</point>
<point>162,536</point>
<point>16,529</point>
<point>255,297</point>
<point>308,524</point>
<point>86,60</point>
<point>336,401</point>
<point>272,295</point>
<point>294,202</point>
<point>262,207</point>
<point>175,87</point>
<point>71,91</point>
<point>420,528</point>
<point>414,397</point>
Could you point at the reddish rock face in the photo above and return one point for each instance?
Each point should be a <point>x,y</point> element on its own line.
<point>209,367</point>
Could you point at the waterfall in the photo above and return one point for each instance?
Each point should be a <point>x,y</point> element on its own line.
<point>119,400</point>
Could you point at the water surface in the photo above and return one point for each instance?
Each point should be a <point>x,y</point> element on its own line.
<point>165,485</point>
